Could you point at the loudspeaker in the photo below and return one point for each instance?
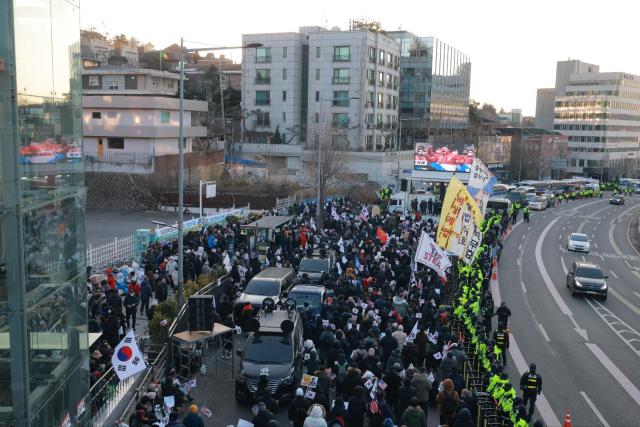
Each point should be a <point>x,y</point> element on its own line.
<point>200,312</point>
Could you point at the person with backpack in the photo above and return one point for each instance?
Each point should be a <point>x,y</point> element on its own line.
<point>340,370</point>
<point>414,415</point>
<point>298,409</point>
<point>448,402</point>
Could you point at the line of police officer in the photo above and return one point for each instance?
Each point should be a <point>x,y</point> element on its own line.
<point>473,312</point>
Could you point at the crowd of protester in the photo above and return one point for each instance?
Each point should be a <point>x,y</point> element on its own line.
<point>389,347</point>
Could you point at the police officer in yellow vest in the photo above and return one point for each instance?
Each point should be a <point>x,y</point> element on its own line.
<point>531,386</point>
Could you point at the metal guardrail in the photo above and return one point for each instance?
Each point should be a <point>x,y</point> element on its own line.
<point>133,158</point>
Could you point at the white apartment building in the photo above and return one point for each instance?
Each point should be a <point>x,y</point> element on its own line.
<point>600,112</point>
<point>131,116</point>
<point>323,82</point>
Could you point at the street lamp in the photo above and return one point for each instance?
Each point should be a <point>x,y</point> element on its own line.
<point>181,155</point>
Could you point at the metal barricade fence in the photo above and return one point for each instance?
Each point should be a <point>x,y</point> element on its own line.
<point>120,249</point>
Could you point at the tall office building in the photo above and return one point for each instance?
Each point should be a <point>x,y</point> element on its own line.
<point>434,86</point>
<point>545,104</point>
<point>600,113</point>
<point>345,81</point>
<point>43,313</point>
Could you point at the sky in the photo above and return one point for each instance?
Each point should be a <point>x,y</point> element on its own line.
<point>513,45</point>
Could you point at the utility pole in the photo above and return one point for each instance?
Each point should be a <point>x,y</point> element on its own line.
<point>181,179</point>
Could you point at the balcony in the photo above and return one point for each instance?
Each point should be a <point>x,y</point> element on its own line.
<point>341,58</point>
<point>263,59</point>
<point>263,101</point>
<point>340,80</point>
<point>341,102</point>
<point>340,125</point>
<point>262,80</point>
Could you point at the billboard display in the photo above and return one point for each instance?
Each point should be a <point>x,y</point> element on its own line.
<point>444,159</point>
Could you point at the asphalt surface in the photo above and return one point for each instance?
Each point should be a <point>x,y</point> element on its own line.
<point>587,350</point>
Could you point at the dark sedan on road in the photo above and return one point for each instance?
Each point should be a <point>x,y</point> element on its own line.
<point>616,200</point>
<point>586,278</point>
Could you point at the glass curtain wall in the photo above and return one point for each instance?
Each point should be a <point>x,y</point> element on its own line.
<point>43,298</point>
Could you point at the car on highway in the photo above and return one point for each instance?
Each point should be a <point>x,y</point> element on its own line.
<point>616,200</point>
<point>586,278</point>
<point>537,203</point>
<point>273,350</point>
<point>578,242</point>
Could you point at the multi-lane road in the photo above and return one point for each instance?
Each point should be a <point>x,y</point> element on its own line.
<point>587,350</point>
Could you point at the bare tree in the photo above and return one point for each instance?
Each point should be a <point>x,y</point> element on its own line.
<point>326,170</point>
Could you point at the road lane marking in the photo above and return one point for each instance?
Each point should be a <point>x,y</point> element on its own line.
<point>520,247</point>
<point>595,245</point>
<point>637,294</point>
<point>583,258</point>
<point>613,274</point>
<point>524,236</point>
<point>523,288</point>
<point>580,227</point>
<point>625,301</point>
<point>542,404</point>
<point>626,333</point>
<point>564,308</point>
<point>595,410</point>
<point>518,262</point>
<point>622,379</point>
<point>564,266</point>
<point>544,333</point>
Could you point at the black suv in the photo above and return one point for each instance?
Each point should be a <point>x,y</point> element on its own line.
<point>273,350</point>
<point>586,278</point>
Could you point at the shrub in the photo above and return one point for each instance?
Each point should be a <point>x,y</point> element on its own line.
<point>166,310</point>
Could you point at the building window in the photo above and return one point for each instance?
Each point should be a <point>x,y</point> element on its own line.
<point>263,77</point>
<point>171,84</point>
<point>317,96</point>
<point>340,120</point>
<point>316,118</point>
<point>340,76</point>
<point>381,57</point>
<point>317,73</point>
<point>96,115</point>
<point>94,81</point>
<point>263,54</point>
<point>389,60</point>
<point>155,82</point>
<point>164,116</point>
<point>284,96</point>
<point>284,52</point>
<point>341,98</point>
<point>371,77</point>
<point>380,100</point>
<point>115,143</point>
<point>284,118</point>
<point>112,114</point>
<point>263,97</point>
<point>341,53</point>
<point>317,51</point>
<point>372,55</point>
<point>113,85</point>
<point>380,78</point>
<point>262,119</point>
<point>371,98</point>
<point>284,74</point>
<point>340,141</point>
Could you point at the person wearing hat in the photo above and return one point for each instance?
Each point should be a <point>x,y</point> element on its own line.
<point>298,409</point>
<point>193,419</point>
<point>531,386</point>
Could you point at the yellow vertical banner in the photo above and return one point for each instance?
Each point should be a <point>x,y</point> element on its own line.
<point>456,199</point>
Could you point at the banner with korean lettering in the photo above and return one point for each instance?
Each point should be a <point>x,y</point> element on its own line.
<point>481,183</point>
<point>469,236</point>
<point>457,201</point>
<point>432,256</point>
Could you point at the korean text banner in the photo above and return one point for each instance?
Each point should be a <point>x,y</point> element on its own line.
<point>481,182</point>
<point>432,256</point>
<point>455,204</point>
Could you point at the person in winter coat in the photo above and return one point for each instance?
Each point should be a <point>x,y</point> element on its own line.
<point>395,359</point>
<point>463,419</point>
<point>145,296</point>
<point>400,336</point>
<point>316,417</point>
<point>388,344</point>
<point>262,416</point>
<point>414,415</point>
<point>447,366</point>
<point>339,412</point>
<point>357,408</point>
<point>422,384</point>
<point>400,305</point>
<point>409,354</point>
<point>448,402</point>
<point>351,380</point>
<point>406,393</point>
<point>298,409</point>
<point>468,401</point>
<point>393,381</point>
<point>193,419</point>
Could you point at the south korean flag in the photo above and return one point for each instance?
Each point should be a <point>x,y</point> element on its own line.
<point>127,360</point>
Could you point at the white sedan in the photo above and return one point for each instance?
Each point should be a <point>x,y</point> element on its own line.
<point>538,203</point>
<point>578,242</point>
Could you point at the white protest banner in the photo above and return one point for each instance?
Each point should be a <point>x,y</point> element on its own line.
<point>480,185</point>
<point>127,360</point>
<point>469,236</point>
<point>431,255</point>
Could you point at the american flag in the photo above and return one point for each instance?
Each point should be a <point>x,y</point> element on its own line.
<point>374,406</point>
